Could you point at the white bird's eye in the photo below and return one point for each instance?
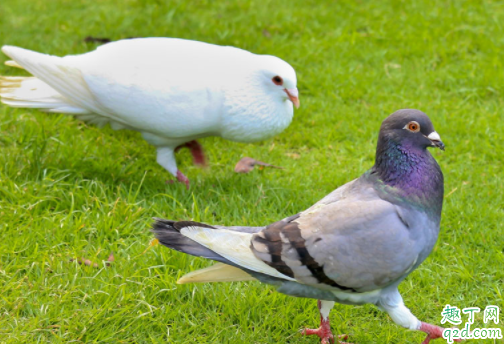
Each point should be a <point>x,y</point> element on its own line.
<point>277,80</point>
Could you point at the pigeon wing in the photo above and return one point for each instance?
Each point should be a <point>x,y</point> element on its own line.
<point>353,241</point>
<point>169,87</point>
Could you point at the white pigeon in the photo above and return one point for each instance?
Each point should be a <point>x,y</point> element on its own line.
<point>171,90</point>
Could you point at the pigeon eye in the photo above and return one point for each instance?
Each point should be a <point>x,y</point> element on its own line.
<point>277,80</point>
<point>413,126</point>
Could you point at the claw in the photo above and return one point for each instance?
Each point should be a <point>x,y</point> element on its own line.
<point>325,335</point>
<point>180,178</point>
<point>324,331</point>
<point>183,179</point>
<point>433,332</point>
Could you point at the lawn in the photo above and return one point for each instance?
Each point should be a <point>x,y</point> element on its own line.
<point>70,190</point>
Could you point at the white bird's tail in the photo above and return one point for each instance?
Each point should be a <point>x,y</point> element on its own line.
<point>30,92</point>
<point>57,86</point>
<point>33,92</point>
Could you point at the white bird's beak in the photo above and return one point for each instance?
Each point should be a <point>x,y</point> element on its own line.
<point>293,95</point>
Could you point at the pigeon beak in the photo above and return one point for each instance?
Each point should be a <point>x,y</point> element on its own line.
<point>293,95</point>
<point>436,140</point>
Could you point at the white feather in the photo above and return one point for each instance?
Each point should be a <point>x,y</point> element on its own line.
<point>216,273</point>
<point>171,90</point>
<point>31,92</point>
<point>234,246</point>
<point>13,64</point>
<point>64,79</point>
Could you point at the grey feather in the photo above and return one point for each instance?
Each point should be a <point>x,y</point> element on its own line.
<point>359,242</point>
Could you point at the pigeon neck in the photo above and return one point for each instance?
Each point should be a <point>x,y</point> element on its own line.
<point>410,174</point>
<point>253,114</point>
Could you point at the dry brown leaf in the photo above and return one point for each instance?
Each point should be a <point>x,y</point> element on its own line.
<point>245,165</point>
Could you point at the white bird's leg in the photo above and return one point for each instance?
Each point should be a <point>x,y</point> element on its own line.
<point>324,331</point>
<point>402,316</point>
<point>166,158</point>
<point>196,152</point>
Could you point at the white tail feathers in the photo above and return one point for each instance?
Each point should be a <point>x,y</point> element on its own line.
<point>30,92</point>
<point>53,71</point>
<point>57,87</point>
<point>13,64</point>
<point>216,273</point>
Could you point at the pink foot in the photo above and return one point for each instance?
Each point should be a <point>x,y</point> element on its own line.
<point>324,334</point>
<point>196,152</point>
<point>433,332</point>
<point>183,179</point>
<point>324,331</point>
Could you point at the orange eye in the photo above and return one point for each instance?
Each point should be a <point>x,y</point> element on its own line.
<point>277,80</point>
<point>413,126</point>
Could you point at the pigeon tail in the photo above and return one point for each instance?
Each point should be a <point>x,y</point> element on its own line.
<point>168,234</point>
<point>216,273</point>
<point>54,87</point>
<point>230,246</point>
<point>30,92</point>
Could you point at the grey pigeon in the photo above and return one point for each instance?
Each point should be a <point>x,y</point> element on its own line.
<point>353,247</point>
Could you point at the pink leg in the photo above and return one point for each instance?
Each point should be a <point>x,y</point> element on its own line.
<point>196,152</point>
<point>324,331</point>
<point>433,332</point>
<point>183,179</point>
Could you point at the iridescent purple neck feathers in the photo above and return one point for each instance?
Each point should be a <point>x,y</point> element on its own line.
<point>409,174</point>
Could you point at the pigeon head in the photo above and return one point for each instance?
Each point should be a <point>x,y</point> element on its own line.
<point>404,166</point>
<point>259,97</point>
<point>411,128</point>
<point>279,78</point>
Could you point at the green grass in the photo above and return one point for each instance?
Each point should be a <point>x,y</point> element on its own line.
<point>69,190</point>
